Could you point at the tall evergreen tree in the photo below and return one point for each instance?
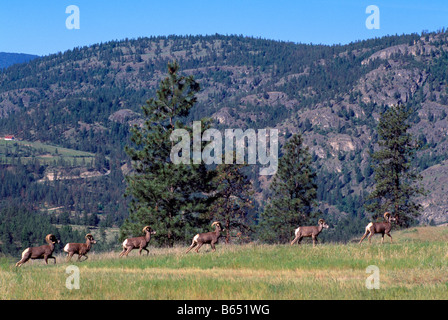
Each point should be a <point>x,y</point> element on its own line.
<point>164,195</point>
<point>395,178</point>
<point>232,199</point>
<point>293,191</point>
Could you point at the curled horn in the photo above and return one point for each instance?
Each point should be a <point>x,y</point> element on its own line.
<point>321,221</point>
<point>89,235</point>
<point>215,223</point>
<point>49,238</point>
<point>147,227</point>
<point>386,215</point>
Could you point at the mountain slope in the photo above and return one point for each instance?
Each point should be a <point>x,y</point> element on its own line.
<point>86,98</point>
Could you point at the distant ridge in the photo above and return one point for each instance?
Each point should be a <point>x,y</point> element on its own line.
<point>7,59</point>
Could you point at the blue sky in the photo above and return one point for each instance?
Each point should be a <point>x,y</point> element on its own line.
<point>39,27</point>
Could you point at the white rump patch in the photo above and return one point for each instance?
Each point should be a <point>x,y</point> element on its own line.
<point>297,231</point>
<point>195,239</point>
<point>125,242</point>
<point>66,247</point>
<point>25,252</point>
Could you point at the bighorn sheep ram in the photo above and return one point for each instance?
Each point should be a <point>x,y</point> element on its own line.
<point>379,227</point>
<point>81,249</point>
<point>310,231</point>
<point>138,242</point>
<point>208,237</point>
<point>43,252</point>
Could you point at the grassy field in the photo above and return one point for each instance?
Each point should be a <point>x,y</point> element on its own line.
<point>45,153</point>
<point>415,266</point>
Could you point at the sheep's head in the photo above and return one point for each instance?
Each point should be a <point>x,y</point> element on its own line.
<point>90,238</point>
<point>389,217</point>
<point>51,239</point>
<point>217,224</point>
<point>148,229</point>
<point>323,223</point>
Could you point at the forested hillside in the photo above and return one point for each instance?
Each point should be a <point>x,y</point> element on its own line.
<point>87,98</point>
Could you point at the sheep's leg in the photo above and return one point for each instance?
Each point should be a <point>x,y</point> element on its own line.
<point>51,257</point>
<point>128,250</point>
<point>364,236</point>
<point>22,261</point>
<point>382,238</point>
<point>192,246</point>
<point>390,237</point>
<point>370,237</point>
<point>199,246</point>
<point>147,251</point>
<point>122,252</point>
<point>212,244</point>
<point>314,241</point>
<point>82,255</point>
<point>69,256</point>
<point>18,264</point>
<point>295,240</point>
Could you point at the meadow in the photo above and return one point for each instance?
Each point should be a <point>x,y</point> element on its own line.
<point>415,266</point>
<point>46,154</point>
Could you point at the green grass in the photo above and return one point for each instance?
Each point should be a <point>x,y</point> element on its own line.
<point>410,268</point>
<point>43,152</point>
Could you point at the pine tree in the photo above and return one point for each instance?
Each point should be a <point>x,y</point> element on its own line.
<point>394,175</point>
<point>232,199</point>
<point>164,195</point>
<point>293,193</point>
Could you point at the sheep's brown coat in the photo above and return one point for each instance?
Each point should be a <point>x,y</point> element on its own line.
<point>138,242</point>
<point>379,227</point>
<point>81,249</point>
<point>309,231</point>
<point>208,237</point>
<point>42,252</point>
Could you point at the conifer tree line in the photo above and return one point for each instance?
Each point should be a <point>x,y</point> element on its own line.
<point>71,100</point>
<point>180,200</point>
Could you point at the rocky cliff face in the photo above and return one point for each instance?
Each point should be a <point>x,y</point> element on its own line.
<point>435,204</point>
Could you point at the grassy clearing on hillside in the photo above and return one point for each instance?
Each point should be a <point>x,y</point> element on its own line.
<point>45,153</point>
<point>411,268</point>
